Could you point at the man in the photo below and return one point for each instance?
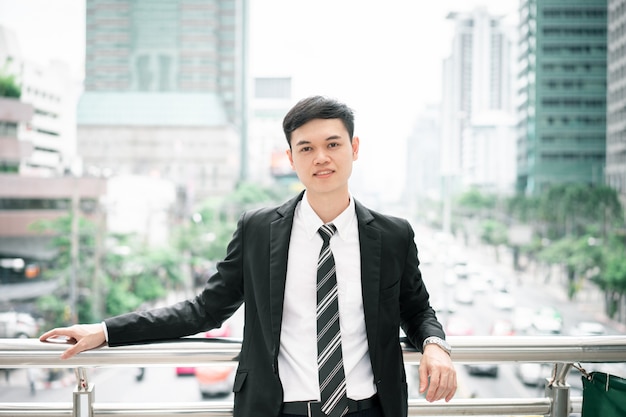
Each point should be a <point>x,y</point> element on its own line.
<point>273,265</point>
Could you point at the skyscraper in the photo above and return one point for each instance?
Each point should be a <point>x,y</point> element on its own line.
<point>477,93</point>
<point>616,99</point>
<point>562,93</point>
<point>163,91</point>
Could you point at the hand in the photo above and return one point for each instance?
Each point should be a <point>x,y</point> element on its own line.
<point>81,336</point>
<point>437,374</point>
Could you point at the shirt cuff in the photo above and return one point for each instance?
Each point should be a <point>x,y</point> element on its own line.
<point>106,332</point>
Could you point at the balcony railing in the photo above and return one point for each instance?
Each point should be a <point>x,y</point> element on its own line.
<point>561,351</point>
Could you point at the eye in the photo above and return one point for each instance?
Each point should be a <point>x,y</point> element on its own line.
<point>305,149</point>
<point>333,144</point>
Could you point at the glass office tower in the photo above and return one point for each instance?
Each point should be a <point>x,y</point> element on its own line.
<point>562,93</point>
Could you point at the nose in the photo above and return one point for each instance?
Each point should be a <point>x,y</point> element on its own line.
<point>321,157</point>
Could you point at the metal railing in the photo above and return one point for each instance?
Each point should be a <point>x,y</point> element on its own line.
<point>562,351</point>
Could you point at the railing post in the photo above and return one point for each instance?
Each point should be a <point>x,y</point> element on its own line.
<point>83,396</point>
<point>557,389</point>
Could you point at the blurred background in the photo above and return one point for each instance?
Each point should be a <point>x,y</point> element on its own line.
<point>134,133</point>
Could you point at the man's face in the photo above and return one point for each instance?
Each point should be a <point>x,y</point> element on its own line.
<point>322,155</point>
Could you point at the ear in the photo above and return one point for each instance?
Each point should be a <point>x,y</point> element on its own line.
<point>288,152</point>
<point>355,148</point>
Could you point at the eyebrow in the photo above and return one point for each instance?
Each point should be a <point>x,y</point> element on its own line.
<point>306,142</point>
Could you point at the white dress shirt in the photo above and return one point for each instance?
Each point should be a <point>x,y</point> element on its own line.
<point>297,358</point>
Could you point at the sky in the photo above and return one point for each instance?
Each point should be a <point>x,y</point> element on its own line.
<point>383,59</point>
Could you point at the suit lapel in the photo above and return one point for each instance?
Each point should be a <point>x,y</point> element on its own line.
<point>280,235</point>
<point>370,244</point>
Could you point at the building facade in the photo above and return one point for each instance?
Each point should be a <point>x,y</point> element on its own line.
<point>163,92</point>
<point>616,98</point>
<point>477,84</point>
<point>562,93</point>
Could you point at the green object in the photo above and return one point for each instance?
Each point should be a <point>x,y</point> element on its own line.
<point>604,395</point>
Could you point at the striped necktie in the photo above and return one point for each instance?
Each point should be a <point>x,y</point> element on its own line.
<point>329,357</point>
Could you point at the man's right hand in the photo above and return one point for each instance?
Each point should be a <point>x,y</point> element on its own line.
<point>81,336</point>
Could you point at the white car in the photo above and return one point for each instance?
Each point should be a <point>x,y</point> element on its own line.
<point>533,374</point>
<point>16,325</point>
<point>588,328</point>
<point>503,300</point>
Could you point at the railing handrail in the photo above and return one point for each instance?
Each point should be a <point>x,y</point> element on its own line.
<point>24,353</point>
<point>563,351</point>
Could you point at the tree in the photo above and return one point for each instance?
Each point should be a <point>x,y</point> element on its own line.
<point>612,280</point>
<point>494,233</point>
<point>9,87</point>
<point>579,256</point>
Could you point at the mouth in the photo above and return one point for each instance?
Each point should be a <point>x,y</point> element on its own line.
<point>323,173</point>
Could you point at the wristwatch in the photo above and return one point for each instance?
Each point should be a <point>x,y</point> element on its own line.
<point>438,341</point>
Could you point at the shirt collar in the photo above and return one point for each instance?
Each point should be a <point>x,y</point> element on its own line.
<point>312,222</point>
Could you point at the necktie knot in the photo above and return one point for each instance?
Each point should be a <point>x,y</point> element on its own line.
<point>326,232</point>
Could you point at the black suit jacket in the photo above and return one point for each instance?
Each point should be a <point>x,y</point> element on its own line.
<point>254,273</point>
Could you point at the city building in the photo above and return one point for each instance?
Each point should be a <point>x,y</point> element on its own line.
<point>562,93</point>
<point>616,98</point>
<point>164,92</point>
<point>37,138</point>
<point>50,90</point>
<point>25,199</point>
<point>478,88</point>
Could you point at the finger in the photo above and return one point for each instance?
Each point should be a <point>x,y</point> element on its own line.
<point>72,351</point>
<point>47,335</point>
<point>452,390</point>
<point>434,387</point>
<point>423,374</point>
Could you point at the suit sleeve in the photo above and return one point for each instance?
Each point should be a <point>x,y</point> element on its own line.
<point>220,298</point>
<point>418,318</point>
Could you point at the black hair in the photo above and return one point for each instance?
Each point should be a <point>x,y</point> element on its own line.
<point>317,107</point>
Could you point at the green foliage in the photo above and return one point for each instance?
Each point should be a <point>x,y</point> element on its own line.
<point>569,209</point>
<point>475,201</point>
<point>54,310</point>
<point>523,208</point>
<point>494,233</point>
<point>120,299</point>
<point>580,256</point>
<point>9,87</point>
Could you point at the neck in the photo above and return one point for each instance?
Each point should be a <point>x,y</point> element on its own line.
<point>329,206</point>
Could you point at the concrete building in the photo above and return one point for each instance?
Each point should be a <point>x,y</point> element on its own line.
<point>562,93</point>
<point>477,79</point>
<point>37,146</point>
<point>52,93</point>
<point>25,200</point>
<point>616,98</point>
<point>163,92</point>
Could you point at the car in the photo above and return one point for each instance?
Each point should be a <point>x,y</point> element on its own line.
<point>547,321</point>
<point>502,327</point>
<point>522,318</point>
<point>588,328</point>
<point>487,369</point>
<point>223,331</point>
<point>18,325</point>
<point>503,300</point>
<point>533,374</point>
<point>459,326</point>
<point>464,294</point>
<point>216,380</point>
